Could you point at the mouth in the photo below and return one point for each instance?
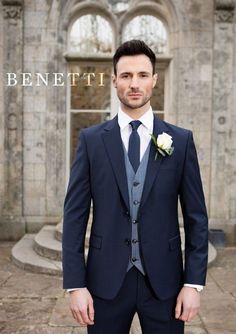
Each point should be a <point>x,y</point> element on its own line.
<point>135,95</point>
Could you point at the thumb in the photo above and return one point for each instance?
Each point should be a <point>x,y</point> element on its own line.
<point>91,310</point>
<point>178,308</point>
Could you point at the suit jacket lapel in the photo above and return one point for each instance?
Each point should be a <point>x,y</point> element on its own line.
<point>114,147</point>
<point>153,166</point>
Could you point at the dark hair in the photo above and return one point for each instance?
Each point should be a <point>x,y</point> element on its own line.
<point>132,48</point>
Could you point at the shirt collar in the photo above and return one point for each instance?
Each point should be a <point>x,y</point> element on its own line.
<point>146,119</point>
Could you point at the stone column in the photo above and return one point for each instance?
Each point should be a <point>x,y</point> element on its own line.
<point>223,54</point>
<point>12,225</point>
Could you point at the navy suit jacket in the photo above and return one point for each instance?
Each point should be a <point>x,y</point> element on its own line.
<point>98,173</point>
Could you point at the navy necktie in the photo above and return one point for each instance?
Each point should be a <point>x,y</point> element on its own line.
<point>134,145</point>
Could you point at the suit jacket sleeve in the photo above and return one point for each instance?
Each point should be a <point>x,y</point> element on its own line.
<point>195,218</point>
<point>76,214</point>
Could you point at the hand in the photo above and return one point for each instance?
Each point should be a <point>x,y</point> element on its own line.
<point>188,304</point>
<point>81,306</point>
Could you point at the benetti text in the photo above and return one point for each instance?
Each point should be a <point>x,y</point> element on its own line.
<point>54,79</point>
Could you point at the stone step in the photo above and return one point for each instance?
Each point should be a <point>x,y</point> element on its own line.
<point>58,231</point>
<point>25,257</point>
<point>212,254</point>
<point>46,245</point>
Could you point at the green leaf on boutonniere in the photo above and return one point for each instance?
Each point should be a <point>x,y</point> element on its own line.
<point>161,152</point>
<point>154,139</point>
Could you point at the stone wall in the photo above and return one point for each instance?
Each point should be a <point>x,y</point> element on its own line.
<point>1,115</point>
<point>232,183</point>
<point>44,131</point>
<point>192,82</point>
<point>201,95</point>
<point>12,217</point>
<point>204,55</point>
<point>223,164</point>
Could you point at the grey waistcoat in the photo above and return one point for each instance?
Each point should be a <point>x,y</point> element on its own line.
<point>135,188</point>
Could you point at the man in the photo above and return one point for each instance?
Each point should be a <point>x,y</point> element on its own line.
<point>134,180</point>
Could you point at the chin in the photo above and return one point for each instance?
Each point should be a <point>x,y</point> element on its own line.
<point>135,106</point>
<point>136,103</point>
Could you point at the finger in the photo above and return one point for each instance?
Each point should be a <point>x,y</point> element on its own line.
<point>80,320</point>
<point>185,314</point>
<point>178,309</point>
<point>84,314</point>
<point>192,314</point>
<point>77,317</point>
<point>91,311</point>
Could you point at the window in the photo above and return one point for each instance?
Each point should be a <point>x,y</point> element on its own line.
<point>91,35</point>
<point>89,101</point>
<point>149,29</point>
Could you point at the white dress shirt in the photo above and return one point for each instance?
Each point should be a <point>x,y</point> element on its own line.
<point>144,130</point>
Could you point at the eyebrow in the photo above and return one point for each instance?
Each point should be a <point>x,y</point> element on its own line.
<point>141,72</point>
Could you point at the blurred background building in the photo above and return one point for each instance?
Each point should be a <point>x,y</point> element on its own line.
<point>195,44</point>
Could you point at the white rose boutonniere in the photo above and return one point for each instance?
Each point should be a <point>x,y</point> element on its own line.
<point>163,144</point>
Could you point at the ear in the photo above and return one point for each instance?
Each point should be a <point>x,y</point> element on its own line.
<point>155,80</point>
<point>114,78</point>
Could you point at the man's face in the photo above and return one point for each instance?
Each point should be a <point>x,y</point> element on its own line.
<point>134,81</point>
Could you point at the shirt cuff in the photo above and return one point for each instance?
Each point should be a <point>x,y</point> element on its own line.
<point>74,289</point>
<point>195,286</point>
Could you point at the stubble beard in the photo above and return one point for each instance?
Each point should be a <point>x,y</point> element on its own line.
<point>127,104</point>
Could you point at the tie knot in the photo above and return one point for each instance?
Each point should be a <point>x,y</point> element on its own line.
<point>135,125</point>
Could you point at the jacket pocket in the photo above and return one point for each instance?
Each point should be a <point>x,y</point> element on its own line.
<point>95,241</point>
<point>174,242</point>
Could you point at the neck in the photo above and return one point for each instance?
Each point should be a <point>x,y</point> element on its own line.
<point>135,113</point>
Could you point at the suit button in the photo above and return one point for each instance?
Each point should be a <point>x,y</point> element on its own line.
<point>127,241</point>
<point>134,241</point>
<point>134,259</point>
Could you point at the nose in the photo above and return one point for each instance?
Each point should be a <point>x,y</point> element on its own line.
<point>134,83</point>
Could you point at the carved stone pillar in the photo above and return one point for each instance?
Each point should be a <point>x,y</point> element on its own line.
<point>12,225</point>
<point>223,51</point>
